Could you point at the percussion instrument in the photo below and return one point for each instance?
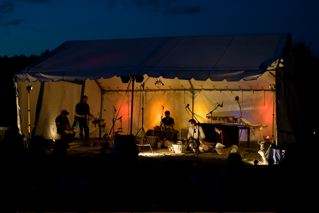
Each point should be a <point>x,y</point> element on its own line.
<point>152,140</point>
<point>177,148</point>
<point>163,133</point>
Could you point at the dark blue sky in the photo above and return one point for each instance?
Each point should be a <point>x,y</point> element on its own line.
<point>31,26</point>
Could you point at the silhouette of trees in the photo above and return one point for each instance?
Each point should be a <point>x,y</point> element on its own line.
<point>9,66</point>
<point>304,79</point>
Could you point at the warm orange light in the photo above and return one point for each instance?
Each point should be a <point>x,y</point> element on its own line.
<point>122,108</point>
<point>155,113</point>
<point>53,132</point>
<point>266,113</point>
<point>201,110</point>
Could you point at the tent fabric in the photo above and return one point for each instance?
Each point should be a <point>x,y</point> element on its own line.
<point>174,95</point>
<point>199,57</point>
<point>57,96</point>
<point>150,83</point>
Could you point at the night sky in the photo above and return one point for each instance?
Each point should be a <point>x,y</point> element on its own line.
<point>31,26</point>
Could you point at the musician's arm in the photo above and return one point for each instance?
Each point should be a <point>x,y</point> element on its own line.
<point>189,134</point>
<point>78,115</point>
<point>69,127</point>
<point>161,123</point>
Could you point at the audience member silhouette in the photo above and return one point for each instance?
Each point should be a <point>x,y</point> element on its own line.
<point>13,145</point>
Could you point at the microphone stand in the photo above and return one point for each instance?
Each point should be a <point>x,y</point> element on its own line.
<point>194,115</point>
<point>142,108</point>
<point>241,113</point>
<point>114,119</point>
<point>211,113</point>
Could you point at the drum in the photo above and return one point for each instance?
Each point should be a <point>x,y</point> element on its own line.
<point>152,140</point>
<point>177,148</point>
<point>170,134</point>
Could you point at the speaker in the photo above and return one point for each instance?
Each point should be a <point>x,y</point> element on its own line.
<point>125,146</point>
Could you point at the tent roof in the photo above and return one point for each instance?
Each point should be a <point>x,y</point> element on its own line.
<point>199,57</point>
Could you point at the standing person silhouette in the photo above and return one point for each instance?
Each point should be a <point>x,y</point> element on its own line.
<point>82,114</point>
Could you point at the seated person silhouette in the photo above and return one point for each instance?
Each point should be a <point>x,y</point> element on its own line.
<point>167,121</point>
<point>167,127</point>
<point>196,136</point>
<point>63,126</point>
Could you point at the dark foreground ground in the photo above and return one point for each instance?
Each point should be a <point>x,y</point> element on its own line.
<point>105,182</point>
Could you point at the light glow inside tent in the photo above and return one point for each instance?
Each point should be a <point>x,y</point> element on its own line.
<point>257,106</point>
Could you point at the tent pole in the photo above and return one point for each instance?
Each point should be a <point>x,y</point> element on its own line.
<point>193,102</point>
<point>273,116</point>
<point>18,123</point>
<point>274,101</point>
<point>29,116</point>
<point>38,107</point>
<point>29,89</point>
<point>101,112</point>
<point>132,103</point>
<point>101,107</point>
<point>193,96</point>
<point>82,89</point>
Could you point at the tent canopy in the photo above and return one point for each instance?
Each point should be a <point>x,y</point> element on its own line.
<point>217,58</point>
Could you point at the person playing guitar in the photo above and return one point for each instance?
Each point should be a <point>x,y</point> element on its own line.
<point>82,116</point>
<point>63,126</point>
<point>195,136</point>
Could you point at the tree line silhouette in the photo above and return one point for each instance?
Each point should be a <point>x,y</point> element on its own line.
<point>9,66</point>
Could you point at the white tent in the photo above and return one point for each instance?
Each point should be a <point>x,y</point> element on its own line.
<point>176,71</point>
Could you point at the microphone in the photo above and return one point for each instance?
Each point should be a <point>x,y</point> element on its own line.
<point>187,106</point>
<point>237,98</point>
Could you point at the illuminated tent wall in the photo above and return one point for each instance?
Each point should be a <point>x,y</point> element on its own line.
<point>199,71</point>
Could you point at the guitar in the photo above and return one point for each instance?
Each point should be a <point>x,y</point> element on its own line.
<point>87,117</point>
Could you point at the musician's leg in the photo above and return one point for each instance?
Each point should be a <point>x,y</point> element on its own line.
<point>86,131</point>
<point>186,145</point>
<point>75,122</point>
<point>81,126</point>
<point>197,144</point>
